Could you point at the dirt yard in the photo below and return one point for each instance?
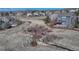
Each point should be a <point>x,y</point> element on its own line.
<point>15,39</point>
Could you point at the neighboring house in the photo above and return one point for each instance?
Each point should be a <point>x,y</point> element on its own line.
<point>64,20</point>
<point>29,14</point>
<point>8,22</point>
<point>58,11</point>
<point>35,14</point>
<point>42,13</point>
<point>71,10</point>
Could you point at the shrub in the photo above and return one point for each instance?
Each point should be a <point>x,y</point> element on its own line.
<point>47,20</point>
<point>33,43</point>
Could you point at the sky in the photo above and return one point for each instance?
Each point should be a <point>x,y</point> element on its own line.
<point>23,9</point>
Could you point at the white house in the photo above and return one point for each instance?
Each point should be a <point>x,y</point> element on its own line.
<point>29,14</point>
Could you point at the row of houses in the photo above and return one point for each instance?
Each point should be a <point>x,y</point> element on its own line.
<point>30,13</point>
<point>39,12</point>
<point>62,18</point>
